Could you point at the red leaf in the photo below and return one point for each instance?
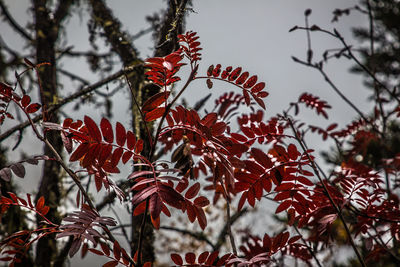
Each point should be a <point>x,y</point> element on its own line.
<point>139,209</point>
<point>331,127</point>
<point>259,101</point>
<point>139,146</point>
<point>218,128</point>
<point>250,82</point>
<point>242,78</point>
<point>154,114</point>
<point>190,258</point>
<point>239,137</point>
<point>261,158</point>
<point>116,156</point>
<point>258,87</point>
<point>95,251</point>
<point>120,134</point>
<point>25,101</point>
<point>130,140</point>
<point>67,142</point>
<point>210,70</point>
<point>213,256</point>
<point>209,119</point>
<point>283,206</point>
<point>155,101</point>
<point>170,196</point>
<point>105,248</point>
<point>193,191</point>
<point>234,74</point>
<point>292,151</point>
<point>45,210</point>
<point>104,154</point>
<point>142,195</point>
<point>117,251</point>
<point>93,130</point>
<point>201,217</point>
<point>177,259</point>
<point>203,257</point>
<point>191,212</point>
<point>111,264</point>
<point>155,206</point>
<point>33,108</point>
<point>262,94</point>
<point>98,180</point>
<point>106,129</point>
<point>40,203</point>
<point>209,83</point>
<point>127,155</point>
<point>201,201</point>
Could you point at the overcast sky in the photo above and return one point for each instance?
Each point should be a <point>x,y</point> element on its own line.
<point>251,34</point>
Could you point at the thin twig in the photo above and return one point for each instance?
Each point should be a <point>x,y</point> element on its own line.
<point>338,211</point>
<point>308,247</point>
<point>139,109</point>
<point>68,99</point>
<point>13,23</point>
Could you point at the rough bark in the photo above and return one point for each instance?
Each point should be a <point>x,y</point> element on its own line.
<point>46,35</point>
<point>120,43</point>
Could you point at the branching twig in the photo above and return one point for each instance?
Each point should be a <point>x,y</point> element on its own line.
<point>13,23</point>
<point>68,99</point>
<point>336,208</point>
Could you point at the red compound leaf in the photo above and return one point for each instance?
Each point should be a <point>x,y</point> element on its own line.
<point>205,259</point>
<point>242,80</point>
<point>163,69</point>
<point>315,103</point>
<point>190,46</point>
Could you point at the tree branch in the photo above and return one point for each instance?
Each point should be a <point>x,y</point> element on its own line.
<point>13,23</point>
<point>69,99</point>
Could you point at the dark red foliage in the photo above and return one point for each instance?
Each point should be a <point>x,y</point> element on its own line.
<point>241,79</point>
<point>313,102</point>
<point>190,46</point>
<point>247,161</point>
<point>163,69</point>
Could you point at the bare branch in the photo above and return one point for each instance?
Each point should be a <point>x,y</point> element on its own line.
<point>13,23</point>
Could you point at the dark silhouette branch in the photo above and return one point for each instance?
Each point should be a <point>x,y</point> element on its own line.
<point>13,23</point>
<point>69,99</point>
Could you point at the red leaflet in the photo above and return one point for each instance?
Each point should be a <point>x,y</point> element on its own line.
<point>120,134</point>
<point>176,259</point>
<point>242,78</point>
<point>130,140</point>
<point>190,258</point>
<point>40,203</point>
<point>32,108</point>
<point>154,114</point>
<point>107,131</point>
<point>79,152</point>
<point>192,47</point>
<point>250,83</point>
<point>162,70</point>
<point>25,101</point>
<point>201,201</point>
<point>261,158</point>
<point>93,130</point>
<point>234,74</point>
<point>315,103</point>
<point>193,191</point>
<point>155,101</point>
<point>283,206</point>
